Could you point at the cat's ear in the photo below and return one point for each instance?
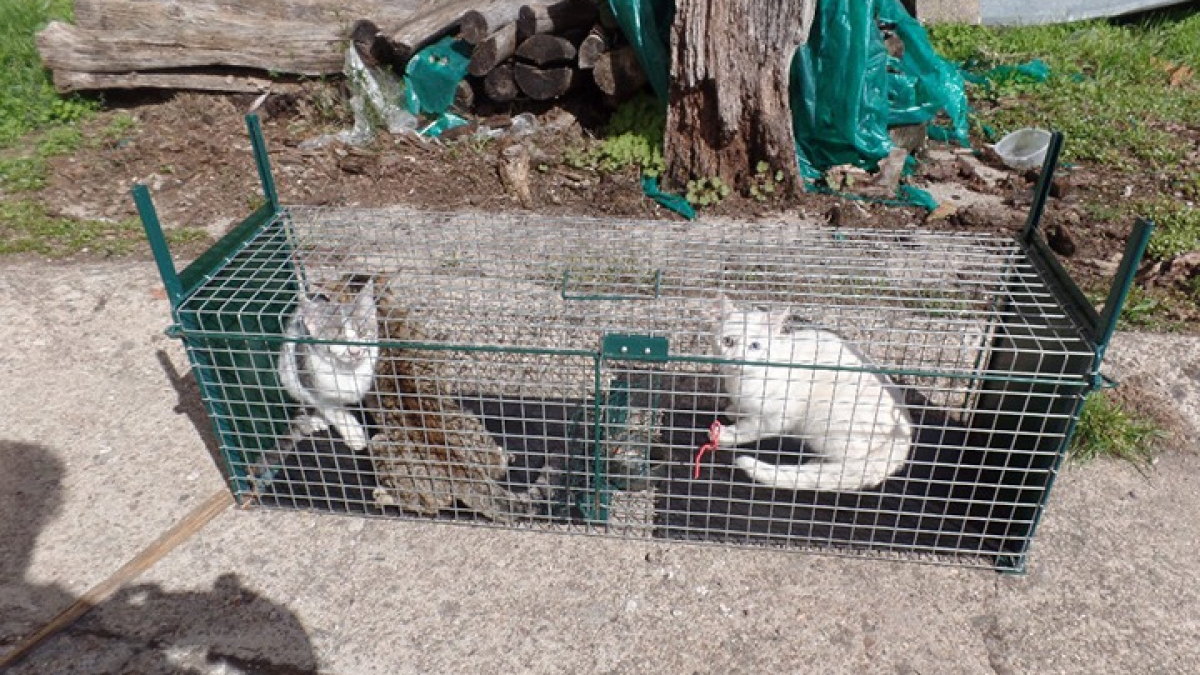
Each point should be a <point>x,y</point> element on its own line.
<point>724,306</point>
<point>313,310</point>
<point>779,320</point>
<point>364,302</point>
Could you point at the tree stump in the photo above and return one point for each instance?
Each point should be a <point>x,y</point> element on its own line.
<point>728,106</point>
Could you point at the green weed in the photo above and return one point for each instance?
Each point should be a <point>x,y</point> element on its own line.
<point>26,227</point>
<point>633,137</point>
<point>1106,429</point>
<point>25,173</point>
<point>22,174</point>
<point>28,100</point>
<point>1176,227</point>
<point>764,184</point>
<point>706,191</point>
<point>1141,309</point>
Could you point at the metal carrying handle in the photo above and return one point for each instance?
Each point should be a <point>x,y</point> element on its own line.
<point>181,284</point>
<point>1099,326</point>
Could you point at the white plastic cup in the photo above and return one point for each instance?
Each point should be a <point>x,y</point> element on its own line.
<point>1024,148</point>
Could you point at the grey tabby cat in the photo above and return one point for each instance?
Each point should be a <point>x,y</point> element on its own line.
<point>330,377</point>
<point>431,455</point>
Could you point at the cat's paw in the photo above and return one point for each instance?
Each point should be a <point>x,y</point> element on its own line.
<point>727,436</point>
<point>354,436</point>
<point>309,425</point>
<point>756,470</point>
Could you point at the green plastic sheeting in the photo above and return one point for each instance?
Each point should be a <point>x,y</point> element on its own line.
<point>846,91</point>
<point>430,80</point>
<point>1034,71</point>
<point>675,203</point>
<point>647,25</point>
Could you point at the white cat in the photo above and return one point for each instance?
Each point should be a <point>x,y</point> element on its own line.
<point>854,420</point>
<point>327,378</point>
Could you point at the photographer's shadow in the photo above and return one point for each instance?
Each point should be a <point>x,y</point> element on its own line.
<point>142,628</point>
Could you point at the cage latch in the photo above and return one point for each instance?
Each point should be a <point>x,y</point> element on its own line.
<point>634,347</point>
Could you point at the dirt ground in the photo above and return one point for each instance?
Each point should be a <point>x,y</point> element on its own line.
<point>192,151</point>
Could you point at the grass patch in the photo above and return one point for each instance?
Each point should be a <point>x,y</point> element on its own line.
<point>25,173</point>
<point>634,136</point>
<point>28,100</point>
<point>1114,89</point>
<point>1106,429</point>
<point>1177,227</point>
<point>26,227</point>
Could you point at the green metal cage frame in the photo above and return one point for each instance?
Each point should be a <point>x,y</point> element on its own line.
<point>1097,328</point>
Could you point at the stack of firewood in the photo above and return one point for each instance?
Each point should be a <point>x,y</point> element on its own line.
<point>524,50</point>
<point>521,50</point>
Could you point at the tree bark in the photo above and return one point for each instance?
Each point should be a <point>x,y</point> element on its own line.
<point>728,106</point>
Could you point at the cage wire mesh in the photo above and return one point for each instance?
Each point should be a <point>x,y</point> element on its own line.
<point>564,374</point>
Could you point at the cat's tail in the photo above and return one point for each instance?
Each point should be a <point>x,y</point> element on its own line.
<point>820,476</point>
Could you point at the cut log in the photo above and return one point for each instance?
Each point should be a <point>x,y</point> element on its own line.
<point>500,85</point>
<point>498,47</point>
<point>479,23</point>
<point>560,17</point>
<point>70,80</point>
<point>372,45</point>
<point>596,43</point>
<point>728,106</point>
<point>464,96</point>
<point>432,24</point>
<point>543,84</point>
<point>546,50</point>
<point>307,50</point>
<point>619,73</point>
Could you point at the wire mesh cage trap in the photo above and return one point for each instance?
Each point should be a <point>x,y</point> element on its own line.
<point>898,393</point>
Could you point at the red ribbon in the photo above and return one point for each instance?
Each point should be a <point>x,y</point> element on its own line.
<point>714,434</point>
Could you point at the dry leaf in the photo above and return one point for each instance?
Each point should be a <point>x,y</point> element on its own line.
<point>943,211</point>
<point>1180,75</point>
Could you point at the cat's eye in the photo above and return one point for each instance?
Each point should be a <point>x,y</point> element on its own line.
<point>728,342</point>
<point>756,345</point>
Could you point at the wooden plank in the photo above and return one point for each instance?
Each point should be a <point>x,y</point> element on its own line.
<point>70,80</point>
<point>310,50</point>
<point>164,544</point>
<point>157,14</point>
